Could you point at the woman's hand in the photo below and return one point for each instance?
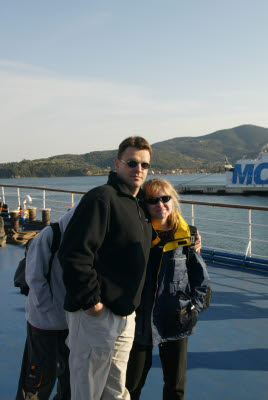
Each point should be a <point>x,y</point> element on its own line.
<point>198,243</point>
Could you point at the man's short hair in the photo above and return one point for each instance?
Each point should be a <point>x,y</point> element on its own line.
<point>134,141</point>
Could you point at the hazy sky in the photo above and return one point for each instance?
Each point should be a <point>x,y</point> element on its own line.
<point>78,76</point>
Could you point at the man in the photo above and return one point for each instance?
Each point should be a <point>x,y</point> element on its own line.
<point>104,255</point>
<point>45,355</point>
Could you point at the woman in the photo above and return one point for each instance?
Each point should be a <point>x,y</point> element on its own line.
<point>176,283</point>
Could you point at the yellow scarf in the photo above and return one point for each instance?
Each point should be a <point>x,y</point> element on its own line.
<point>181,236</point>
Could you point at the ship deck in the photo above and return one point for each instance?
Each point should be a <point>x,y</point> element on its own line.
<point>227,355</point>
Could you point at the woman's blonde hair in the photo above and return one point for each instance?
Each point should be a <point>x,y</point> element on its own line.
<point>151,189</point>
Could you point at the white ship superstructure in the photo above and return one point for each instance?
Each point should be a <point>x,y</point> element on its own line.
<point>248,173</point>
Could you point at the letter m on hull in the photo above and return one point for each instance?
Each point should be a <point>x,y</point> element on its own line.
<point>245,176</point>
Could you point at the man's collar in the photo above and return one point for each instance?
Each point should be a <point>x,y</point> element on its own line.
<point>115,181</point>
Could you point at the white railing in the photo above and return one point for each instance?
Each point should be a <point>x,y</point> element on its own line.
<point>208,224</point>
<point>56,200</point>
<point>249,238</point>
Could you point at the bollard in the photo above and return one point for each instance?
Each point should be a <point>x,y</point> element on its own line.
<point>46,216</point>
<point>14,219</point>
<point>32,214</point>
<point>4,211</point>
<point>4,208</point>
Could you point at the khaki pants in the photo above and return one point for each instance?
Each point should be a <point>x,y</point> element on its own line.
<point>99,352</point>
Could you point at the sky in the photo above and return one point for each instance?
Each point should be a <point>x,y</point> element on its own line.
<point>80,76</point>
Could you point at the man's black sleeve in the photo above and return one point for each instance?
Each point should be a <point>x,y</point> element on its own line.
<point>83,237</point>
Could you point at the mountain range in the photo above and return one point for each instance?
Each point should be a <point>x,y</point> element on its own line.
<point>207,153</point>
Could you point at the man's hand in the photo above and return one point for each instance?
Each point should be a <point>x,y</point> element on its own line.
<point>198,243</point>
<point>96,310</point>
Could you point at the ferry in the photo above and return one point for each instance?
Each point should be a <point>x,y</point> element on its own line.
<point>250,175</point>
<point>228,353</point>
<point>246,177</point>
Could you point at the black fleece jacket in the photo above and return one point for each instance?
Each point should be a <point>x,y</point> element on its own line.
<point>105,250</point>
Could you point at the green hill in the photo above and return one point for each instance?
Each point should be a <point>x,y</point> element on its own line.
<point>206,152</point>
<point>211,149</point>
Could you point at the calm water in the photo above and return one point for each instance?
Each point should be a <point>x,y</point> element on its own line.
<point>86,182</point>
<point>211,221</point>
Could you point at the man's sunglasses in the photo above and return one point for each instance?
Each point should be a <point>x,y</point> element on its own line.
<point>133,164</point>
<point>155,200</point>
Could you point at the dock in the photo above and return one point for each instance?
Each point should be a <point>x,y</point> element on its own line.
<point>222,190</point>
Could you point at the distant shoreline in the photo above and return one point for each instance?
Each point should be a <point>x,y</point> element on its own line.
<point>106,174</point>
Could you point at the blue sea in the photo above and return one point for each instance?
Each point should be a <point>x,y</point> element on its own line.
<point>211,221</point>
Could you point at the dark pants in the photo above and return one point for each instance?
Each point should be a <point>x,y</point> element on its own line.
<point>44,360</point>
<point>173,356</point>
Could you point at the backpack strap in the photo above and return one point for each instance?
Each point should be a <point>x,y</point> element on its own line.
<point>54,246</point>
<point>193,238</point>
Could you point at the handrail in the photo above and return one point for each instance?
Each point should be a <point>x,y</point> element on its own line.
<point>43,188</point>
<point>227,205</point>
<point>249,239</point>
<point>201,203</point>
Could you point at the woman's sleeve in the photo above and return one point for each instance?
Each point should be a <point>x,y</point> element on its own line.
<point>198,279</point>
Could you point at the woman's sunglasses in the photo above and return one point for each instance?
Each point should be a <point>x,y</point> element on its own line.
<point>155,200</point>
<point>133,164</point>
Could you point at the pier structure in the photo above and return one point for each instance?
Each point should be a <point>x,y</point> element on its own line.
<point>222,189</point>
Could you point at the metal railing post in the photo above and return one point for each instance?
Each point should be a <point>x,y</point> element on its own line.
<point>44,199</point>
<point>3,195</point>
<point>249,231</point>
<point>248,251</point>
<point>192,214</point>
<point>18,190</point>
<point>72,199</point>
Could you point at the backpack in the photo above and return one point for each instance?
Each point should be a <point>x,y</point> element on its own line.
<point>190,249</point>
<point>19,277</point>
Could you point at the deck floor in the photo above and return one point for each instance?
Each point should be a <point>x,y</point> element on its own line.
<point>227,356</point>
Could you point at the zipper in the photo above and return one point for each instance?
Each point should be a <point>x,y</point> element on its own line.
<point>139,213</point>
<point>159,268</point>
